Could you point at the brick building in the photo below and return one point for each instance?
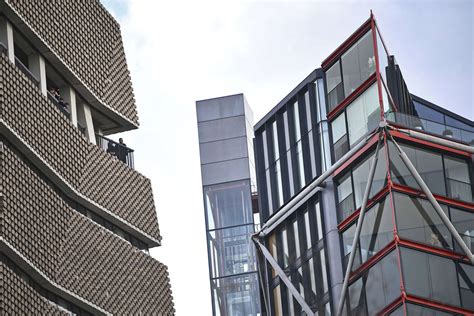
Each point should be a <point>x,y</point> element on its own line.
<point>76,219</point>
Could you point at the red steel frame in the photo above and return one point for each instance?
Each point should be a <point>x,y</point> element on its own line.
<point>390,188</point>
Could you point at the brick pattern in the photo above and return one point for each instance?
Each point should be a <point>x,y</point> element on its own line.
<point>30,205</point>
<point>95,183</point>
<point>75,252</point>
<point>113,274</point>
<point>87,38</point>
<point>19,298</point>
<point>40,122</point>
<point>86,167</point>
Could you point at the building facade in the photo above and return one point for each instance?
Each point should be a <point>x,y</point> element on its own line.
<point>365,193</point>
<point>228,181</point>
<point>76,219</point>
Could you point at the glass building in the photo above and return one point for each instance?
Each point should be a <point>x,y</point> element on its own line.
<point>351,145</point>
<point>228,179</point>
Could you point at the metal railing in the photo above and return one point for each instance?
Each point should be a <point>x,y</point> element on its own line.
<point>121,152</point>
<point>26,71</point>
<point>61,105</point>
<point>432,127</point>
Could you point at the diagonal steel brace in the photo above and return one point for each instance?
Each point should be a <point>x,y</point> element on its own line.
<point>360,222</point>
<point>283,276</point>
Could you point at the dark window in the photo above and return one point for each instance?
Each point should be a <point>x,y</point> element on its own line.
<point>376,233</point>
<point>417,220</point>
<point>430,276</point>
<point>377,287</point>
<point>463,221</point>
<point>466,285</point>
<point>339,136</point>
<point>334,86</point>
<point>457,179</point>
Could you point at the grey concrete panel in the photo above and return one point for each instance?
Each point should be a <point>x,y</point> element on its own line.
<point>222,150</point>
<point>226,171</point>
<point>221,129</point>
<point>218,108</point>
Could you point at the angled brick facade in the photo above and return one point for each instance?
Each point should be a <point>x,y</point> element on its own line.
<point>87,38</point>
<point>83,165</point>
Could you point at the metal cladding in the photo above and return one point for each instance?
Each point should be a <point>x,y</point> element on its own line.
<point>88,40</point>
<point>74,220</point>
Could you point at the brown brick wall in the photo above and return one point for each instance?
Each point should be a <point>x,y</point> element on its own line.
<point>86,37</point>
<point>93,172</point>
<point>19,298</point>
<point>75,252</point>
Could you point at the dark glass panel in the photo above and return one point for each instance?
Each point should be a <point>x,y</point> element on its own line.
<point>417,310</point>
<point>345,205</point>
<point>457,178</point>
<point>428,113</point>
<point>417,220</point>
<point>466,284</point>
<point>334,86</point>
<point>463,221</point>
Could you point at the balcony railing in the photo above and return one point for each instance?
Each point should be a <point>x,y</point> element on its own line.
<point>61,105</point>
<point>26,71</point>
<point>121,152</point>
<point>432,127</point>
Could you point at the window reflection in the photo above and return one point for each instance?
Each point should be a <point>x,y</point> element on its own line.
<point>358,63</point>
<point>228,204</point>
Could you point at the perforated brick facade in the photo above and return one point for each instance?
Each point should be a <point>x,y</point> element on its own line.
<point>75,221</point>
<point>88,40</point>
<point>90,170</point>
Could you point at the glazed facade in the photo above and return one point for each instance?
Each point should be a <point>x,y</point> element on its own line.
<point>406,260</point>
<point>77,219</point>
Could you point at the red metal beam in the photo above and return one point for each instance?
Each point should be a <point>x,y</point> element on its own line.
<point>404,136</point>
<point>426,248</point>
<point>372,261</point>
<point>391,307</point>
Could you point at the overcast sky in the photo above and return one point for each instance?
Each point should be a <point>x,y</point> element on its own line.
<point>182,51</point>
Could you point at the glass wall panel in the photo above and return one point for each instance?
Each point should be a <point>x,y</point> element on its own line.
<point>376,233</point>
<point>334,86</point>
<point>288,153</point>
<point>236,295</point>
<point>228,204</point>
<point>417,220</point>
<point>363,114</point>
<point>457,178</point>
<point>339,136</point>
<point>463,221</point>
<point>417,310</point>
<point>231,251</point>
<point>377,287</point>
<point>358,63</point>
<point>428,164</point>
<point>429,276</point>
<point>466,285</point>
<point>345,198</point>
<point>360,174</point>
<point>383,58</point>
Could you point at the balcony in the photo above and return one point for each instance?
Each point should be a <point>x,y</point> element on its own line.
<point>444,130</point>
<point>120,151</point>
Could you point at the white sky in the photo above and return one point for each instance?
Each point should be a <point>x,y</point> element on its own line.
<point>182,51</point>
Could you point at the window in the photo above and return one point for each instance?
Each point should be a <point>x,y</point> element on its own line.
<point>463,221</point>
<point>276,150</point>
<point>363,114</point>
<point>430,167</point>
<point>377,287</point>
<point>345,205</point>
<point>307,226</point>
<point>297,238</point>
<point>230,252</point>
<point>429,276</point>
<point>334,86</point>
<point>376,233</point>
<point>351,186</point>
<point>228,204</point>
<point>416,310</point>
<point>358,63</point>
<point>339,136</point>
<point>466,285</point>
<point>428,164</point>
<point>457,178</point>
<point>288,153</point>
<point>417,220</point>
<point>284,244</point>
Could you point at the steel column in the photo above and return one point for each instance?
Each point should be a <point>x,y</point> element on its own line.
<point>360,221</point>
